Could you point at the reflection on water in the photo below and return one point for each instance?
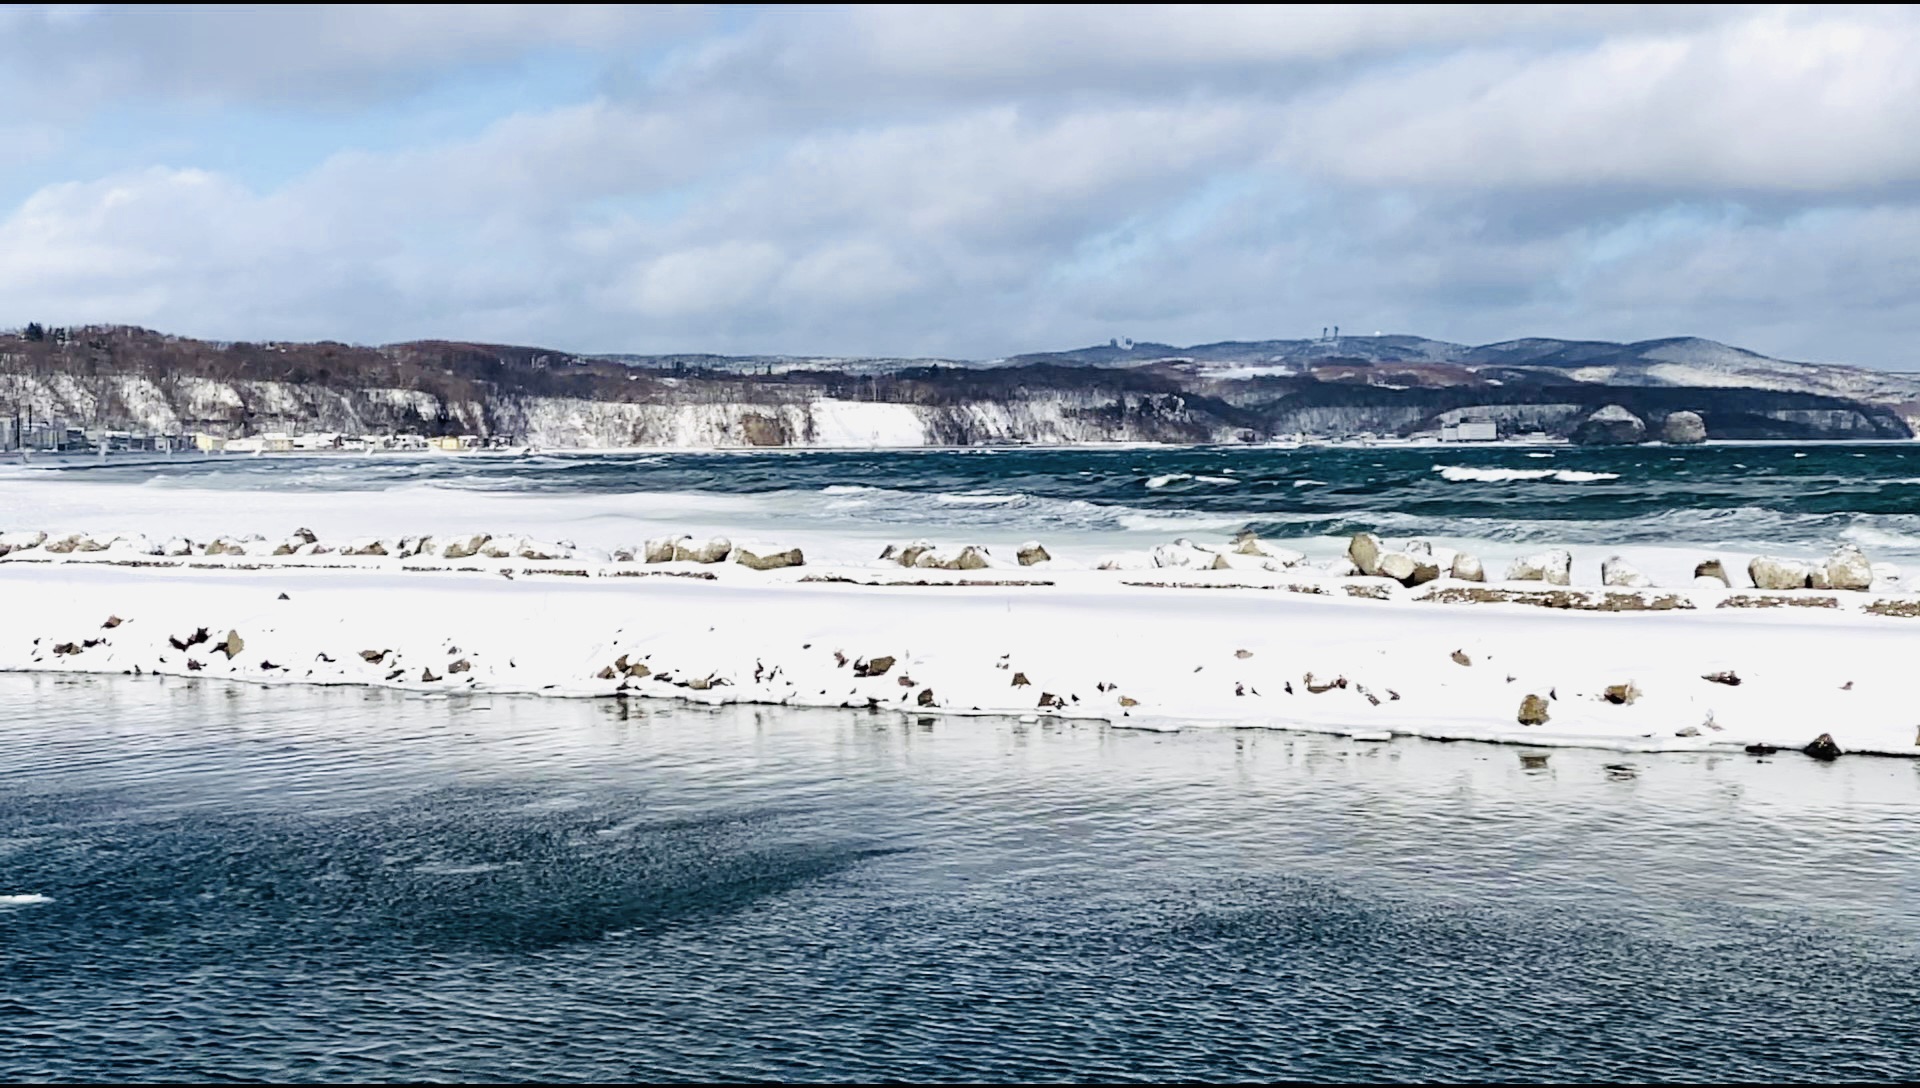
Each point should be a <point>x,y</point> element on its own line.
<point>203,881</point>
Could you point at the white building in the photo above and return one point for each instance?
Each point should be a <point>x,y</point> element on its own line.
<point>1471,430</point>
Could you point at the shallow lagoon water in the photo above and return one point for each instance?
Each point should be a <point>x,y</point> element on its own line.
<point>340,883</point>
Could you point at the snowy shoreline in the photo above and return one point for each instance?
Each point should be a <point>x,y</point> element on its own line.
<point>1682,669</point>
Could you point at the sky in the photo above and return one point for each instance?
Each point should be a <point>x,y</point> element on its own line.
<point>966,182</point>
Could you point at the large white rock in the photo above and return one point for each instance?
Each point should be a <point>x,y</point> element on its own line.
<point>1031,552</point>
<point>1615,571</point>
<point>1553,567</point>
<point>1467,568</point>
<point>1773,572</point>
<point>1408,570</point>
<point>660,550</point>
<point>1364,550</point>
<point>1847,568</point>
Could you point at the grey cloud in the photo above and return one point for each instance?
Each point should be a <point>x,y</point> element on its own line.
<point>982,183</point>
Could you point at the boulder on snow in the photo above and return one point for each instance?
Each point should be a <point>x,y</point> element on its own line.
<point>65,543</point>
<point>1610,426</point>
<point>462,547</point>
<point>1773,572</point>
<point>1554,567</point>
<point>1408,570</point>
<point>970,558</point>
<point>538,549</point>
<point>177,546</point>
<point>1342,567</point>
<point>1615,571</point>
<point>365,545</point>
<point>685,550</point>
<point>1467,568</point>
<point>300,538</point>
<point>1184,553</point>
<point>1364,550</point>
<point>1031,552</point>
<point>1711,569</point>
<point>1847,568</point>
<point>789,558</point>
<point>1533,711</point>
<point>20,540</point>
<point>658,550</point>
<point>226,546</point>
<point>1683,429</point>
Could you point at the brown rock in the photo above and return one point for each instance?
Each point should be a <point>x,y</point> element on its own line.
<point>1020,680</point>
<point>233,645</point>
<point>1533,711</point>
<point>1726,677</point>
<point>926,697</point>
<point>1823,748</point>
<point>1460,658</point>
<point>1621,694</point>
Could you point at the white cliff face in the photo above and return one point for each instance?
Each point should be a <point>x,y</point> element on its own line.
<point>231,409</point>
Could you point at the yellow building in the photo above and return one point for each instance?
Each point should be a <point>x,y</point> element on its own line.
<point>450,443</point>
<point>209,443</point>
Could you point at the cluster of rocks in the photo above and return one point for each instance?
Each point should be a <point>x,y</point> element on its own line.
<point>927,556</point>
<point>1614,425</point>
<point>1846,568</point>
<point>304,542</point>
<point>1414,563</point>
<point>1247,552</point>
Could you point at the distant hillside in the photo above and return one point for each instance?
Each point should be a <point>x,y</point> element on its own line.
<point>123,378</point>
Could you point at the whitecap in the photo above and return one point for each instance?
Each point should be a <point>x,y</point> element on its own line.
<point>1169,478</point>
<point>1216,480</point>
<point>978,500</point>
<point>24,900</point>
<point>1465,473</point>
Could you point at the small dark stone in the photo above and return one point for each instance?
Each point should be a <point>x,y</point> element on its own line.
<point>926,697</point>
<point>1726,677</point>
<point>284,597</point>
<point>1823,748</point>
<point>1761,749</point>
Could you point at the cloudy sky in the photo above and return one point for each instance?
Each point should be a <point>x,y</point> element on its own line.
<point>966,182</point>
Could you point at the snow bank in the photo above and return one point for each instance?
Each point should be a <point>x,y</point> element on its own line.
<point>1638,670</point>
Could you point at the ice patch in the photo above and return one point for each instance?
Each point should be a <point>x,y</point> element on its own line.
<point>1464,473</point>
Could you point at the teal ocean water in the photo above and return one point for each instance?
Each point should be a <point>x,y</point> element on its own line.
<point>1756,497</point>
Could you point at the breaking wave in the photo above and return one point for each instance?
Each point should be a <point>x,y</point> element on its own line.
<point>1465,473</point>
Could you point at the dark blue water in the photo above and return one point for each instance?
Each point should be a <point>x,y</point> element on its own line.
<point>1764,496</point>
<point>333,884</point>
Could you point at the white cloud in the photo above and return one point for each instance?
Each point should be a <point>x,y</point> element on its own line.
<point>982,182</point>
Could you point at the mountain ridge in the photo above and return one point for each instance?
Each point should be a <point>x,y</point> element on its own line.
<point>126,378</point>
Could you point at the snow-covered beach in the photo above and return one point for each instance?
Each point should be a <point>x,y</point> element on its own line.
<point>1298,648</point>
<point>1148,616</point>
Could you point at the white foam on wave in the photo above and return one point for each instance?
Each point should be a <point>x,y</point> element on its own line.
<point>24,900</point>
<point>1170,478</point>
<point>1228,480</point>
<point>978,500</point>
<point>1466,473</point>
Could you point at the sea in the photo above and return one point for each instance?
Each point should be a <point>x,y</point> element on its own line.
<point>214,882</point>
<point>204,881</point>
<point>1756,497</point>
